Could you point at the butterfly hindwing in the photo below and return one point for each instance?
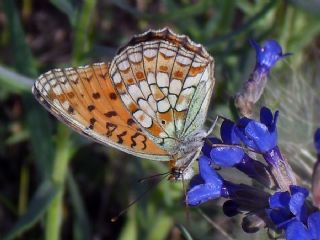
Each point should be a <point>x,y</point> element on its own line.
<point>165,81</point>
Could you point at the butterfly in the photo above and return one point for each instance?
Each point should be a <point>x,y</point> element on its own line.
<point>151,101</point>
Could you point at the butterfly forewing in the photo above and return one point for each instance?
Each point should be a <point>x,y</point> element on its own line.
<point>85,99</point>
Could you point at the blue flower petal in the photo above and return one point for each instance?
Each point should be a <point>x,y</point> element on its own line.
<point>296,204</point>
<point>203,193</point>
<point>279,200</point>
<point>196,180</point>
<point>266,116</point>
<point>267,55</point>
<point>207,173</point>
<point>314,225</point>
<point>226,156</point>
<point>206,149</point>
<point>279,217</point>
<point>227,132</point>
<point>261,136</point>
<point>297,231</point>
<point>279,212</point>
<point>294,189</point>
<point>210,189</point>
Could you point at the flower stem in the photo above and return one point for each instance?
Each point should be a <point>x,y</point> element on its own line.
<point>60,168</point>
<point>280,169</point>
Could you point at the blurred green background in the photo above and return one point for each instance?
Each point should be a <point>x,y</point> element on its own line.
<point>54,184</point>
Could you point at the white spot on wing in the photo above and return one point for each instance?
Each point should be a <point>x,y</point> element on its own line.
<point>163,105</point>
<point>57,90</point>
<point>145,88</point>
<point>172,100</point>
<point>65,104</point>
<point>162,79</point>
<point>152,103</point>
<point>126,99</point>
<point>167,52</point>
<point>67,87</point>
<point>183,60</point>
<point>143,118</point>
<point>117,78</point>
<point>165,91</point>
<point>205,75</point>
<point>124,65</point>
<point>135,92</point>
<point>196,64</point>
<point>184,99</point>
<point>150,53</point>
<point>150,78</point>
<point>192,81</point>
<point>175,86</point>
<point>135,57</point>
<point>144,105</point>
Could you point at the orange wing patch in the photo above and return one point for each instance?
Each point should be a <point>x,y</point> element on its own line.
<point>85,98</point>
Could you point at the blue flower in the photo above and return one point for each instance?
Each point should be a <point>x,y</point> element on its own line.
<point>260,136</point>
<point>206,186</point>
<point>286,207</point>
<point>225,156</point>
<point>268,55</point>
<point>229,155</point>
<point>296,230</point>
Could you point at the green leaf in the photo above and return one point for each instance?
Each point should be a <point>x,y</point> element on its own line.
<point>17,137</point>
<point>160,227</point>
<point>41,200</point>
<point>24,61</point>
<point>82,29</point>
<point>81,229</point>
<point>14,82</point>
<point>310,6</point>
<point>174,14</point>
<point>40,128</point>
<point>130,229</point>
<point>185,233</point>
<point>244,28</point>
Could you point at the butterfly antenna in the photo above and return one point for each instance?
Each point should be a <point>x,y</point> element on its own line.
<point>114,219</point>
<point>141,180</point>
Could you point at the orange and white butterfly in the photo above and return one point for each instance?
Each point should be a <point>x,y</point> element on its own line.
<point>151,101</point>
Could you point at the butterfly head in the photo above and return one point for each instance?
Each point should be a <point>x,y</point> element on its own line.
<point>177,174</point>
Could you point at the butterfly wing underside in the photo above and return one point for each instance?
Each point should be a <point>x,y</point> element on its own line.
<point>165,81</point>
<point>85,99</point>
<point>153,95</point>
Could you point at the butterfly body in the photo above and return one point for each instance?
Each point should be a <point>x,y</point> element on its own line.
<point>151,101</point>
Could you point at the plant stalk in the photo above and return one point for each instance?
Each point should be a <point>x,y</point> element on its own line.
<point>59,172</point>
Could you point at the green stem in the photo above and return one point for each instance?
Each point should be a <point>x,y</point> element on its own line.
<point>60,168</point>
<point>82,31</point>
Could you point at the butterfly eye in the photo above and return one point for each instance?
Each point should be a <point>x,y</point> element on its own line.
<point>163,122</point>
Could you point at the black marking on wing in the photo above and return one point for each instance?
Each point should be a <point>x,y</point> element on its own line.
<point>111,128</point>
<point>134,143</point>
<point>120,140</point>
<point>111,114</point>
